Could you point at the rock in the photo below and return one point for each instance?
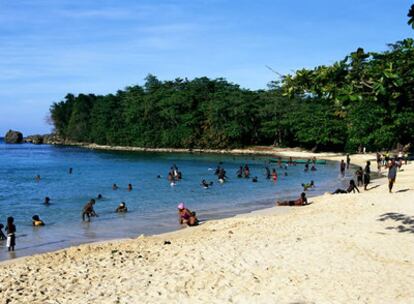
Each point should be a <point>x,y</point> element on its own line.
<point>13,137</point>
<point>34,139</point>
<point>52,139</point>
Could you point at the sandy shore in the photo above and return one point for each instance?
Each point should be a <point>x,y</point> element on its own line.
<point>350,248</point>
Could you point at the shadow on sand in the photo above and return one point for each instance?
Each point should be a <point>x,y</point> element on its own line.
<point>406,222</point>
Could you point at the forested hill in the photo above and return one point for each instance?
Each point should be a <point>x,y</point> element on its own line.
<point>365,99</point>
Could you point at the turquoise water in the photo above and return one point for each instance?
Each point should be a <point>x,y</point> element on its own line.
<point>152,203</point>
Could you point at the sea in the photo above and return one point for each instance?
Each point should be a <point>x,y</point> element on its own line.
<point>152,204</point>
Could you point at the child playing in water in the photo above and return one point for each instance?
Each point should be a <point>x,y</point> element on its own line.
<point>36,221</point>
<point>2,235</point>
<point>11,237</point>
<point>122,208</point>
<point>185,216</point>
<point>88,210</point>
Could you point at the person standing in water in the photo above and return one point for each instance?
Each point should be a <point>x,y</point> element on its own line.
<point>88,210</point>
<point>392,174</point>
<point>348,161</point>
<point>11,234</point>
<point>2,235</point>
<point>342,167</point>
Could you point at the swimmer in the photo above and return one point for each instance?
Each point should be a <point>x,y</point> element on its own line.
<point>185,216</point>
<point>122,208</point>
<point>70,170</point>
<point>47,200</point>
<point>158,176</point>
<point>99,196</point>
<point>274,175</point>
<point>308,186</point>
<point>129,187</point>
<point>306,167</point>
<point>299,202</point>
<point>37,178</point>
<point>206,184</point>
<point>254,180</point>
<point>88,210</point>
<point>267,172</point>
<point>313,168</point>
<point>36,221</point>
<point>114,187</point>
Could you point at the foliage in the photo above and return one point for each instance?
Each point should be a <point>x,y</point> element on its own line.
<point>365,99</point>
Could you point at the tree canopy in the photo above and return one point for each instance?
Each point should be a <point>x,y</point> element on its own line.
<point>365,99</point>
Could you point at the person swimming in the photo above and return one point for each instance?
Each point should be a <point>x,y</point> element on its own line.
<point>70,170</point>
<point>99,196</point>
<point>36,221</point>
<point>47,200</point>
<point>306,167</point>
<point>129,187</point>
<point>254,179</point>
<point>88,210</point>
<point>206,184</point>
<point>122,208</point>
<point>37,178</point>
<point>308,185</point>
<point>185,216</point>
<point>299,202</point>
<point>114,187</point>
<point>313,168</point>
<point>351,188</point>
<point>274,175</point>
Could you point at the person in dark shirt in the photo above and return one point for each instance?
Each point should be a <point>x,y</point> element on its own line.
<point>367,176</point>
<point>342,167</point>
<point>11,234</point>
<point>348,161</point>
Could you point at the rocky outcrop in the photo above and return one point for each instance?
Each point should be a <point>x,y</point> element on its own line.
<point>34,139</point>
<point>53,139</point>
<point>13,137</point>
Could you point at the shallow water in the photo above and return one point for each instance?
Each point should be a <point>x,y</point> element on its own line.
<point>152,203</point>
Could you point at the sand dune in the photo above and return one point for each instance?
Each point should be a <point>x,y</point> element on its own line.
<point>352,248</point>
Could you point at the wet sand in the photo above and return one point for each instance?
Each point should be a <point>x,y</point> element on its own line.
<point>348,248</point>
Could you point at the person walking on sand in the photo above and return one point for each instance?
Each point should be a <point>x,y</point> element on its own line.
<point>11,234</point>
<point>392,174</point>
<point>367,176</point>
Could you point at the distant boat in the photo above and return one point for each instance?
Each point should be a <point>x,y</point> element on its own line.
<point>299,161</point>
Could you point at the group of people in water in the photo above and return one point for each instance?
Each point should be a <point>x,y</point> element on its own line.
<point>188,217</point>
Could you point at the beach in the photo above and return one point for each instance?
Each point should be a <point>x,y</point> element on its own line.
<point>347,248</point>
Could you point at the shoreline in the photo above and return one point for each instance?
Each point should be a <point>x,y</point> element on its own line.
<point>223,216</point>
<point>253,207</point>
<point>339,249</point>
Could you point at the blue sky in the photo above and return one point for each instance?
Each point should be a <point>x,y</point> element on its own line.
<point>51,47</point>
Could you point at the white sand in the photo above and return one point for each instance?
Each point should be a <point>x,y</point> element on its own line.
<point>336,250</point>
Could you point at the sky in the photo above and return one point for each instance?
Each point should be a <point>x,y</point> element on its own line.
<point>49,48</point>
